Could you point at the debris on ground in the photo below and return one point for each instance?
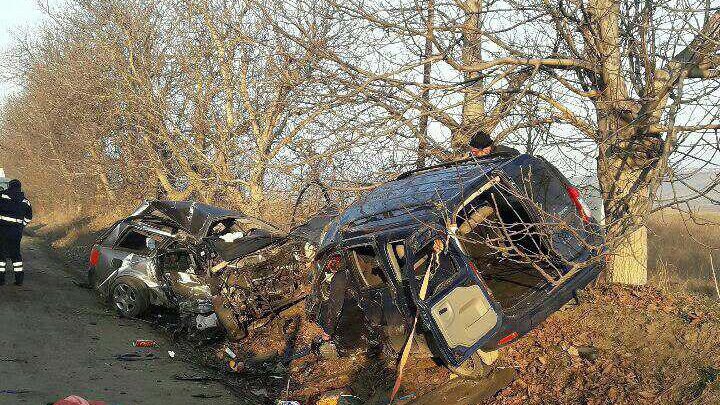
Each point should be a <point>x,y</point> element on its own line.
<point>76,400</point>
<point>206,396</point>
<point>144,343</point>
<point>137,356</point>
<point>651,346</point>
<point>14,392</point>
<point>196,378</point>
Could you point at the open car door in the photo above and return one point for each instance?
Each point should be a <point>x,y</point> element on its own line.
<point>457,308</point>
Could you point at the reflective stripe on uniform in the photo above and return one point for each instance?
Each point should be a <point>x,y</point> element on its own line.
<point>26,221</point>
<point>2,267</point>
<point>7,197</point>
<point>9,219</point>
<point>17,266</point>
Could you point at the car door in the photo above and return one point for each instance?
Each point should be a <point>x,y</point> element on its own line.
<point>457,309</point>
<point>128,254</point>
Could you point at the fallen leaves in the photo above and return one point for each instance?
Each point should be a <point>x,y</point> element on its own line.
<point>622,345</point>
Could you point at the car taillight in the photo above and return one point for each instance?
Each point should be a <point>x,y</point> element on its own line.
<point>94,257</point>
<point>580,205</point>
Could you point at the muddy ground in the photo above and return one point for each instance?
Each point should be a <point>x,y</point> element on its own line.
<point>56,339</point>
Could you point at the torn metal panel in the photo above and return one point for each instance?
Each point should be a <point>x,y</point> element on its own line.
<point>194,217</point>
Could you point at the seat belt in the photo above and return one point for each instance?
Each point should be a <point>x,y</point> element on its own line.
<point>437,248</point>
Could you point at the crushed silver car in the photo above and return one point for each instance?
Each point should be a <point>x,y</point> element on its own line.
<point>217,267</point>
<point>159,256</point>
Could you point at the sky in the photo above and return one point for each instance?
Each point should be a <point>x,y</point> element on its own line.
<point>16,16</point>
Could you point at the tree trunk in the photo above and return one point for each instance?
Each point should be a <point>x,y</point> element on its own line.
<point>100,169</point>
<point>425,95</point>
<point>622,171</point>
<point>256,188</point>
<point>473,112</point>
<point>626,199</point>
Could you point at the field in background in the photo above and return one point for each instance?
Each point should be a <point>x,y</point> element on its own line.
<point>679,249</point>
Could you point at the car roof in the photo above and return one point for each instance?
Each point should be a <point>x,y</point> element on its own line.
<point>415,196</point>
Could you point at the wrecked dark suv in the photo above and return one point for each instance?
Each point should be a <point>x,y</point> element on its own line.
<point>483,250</point>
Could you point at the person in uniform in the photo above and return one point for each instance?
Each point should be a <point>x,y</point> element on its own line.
<point>15,213</point>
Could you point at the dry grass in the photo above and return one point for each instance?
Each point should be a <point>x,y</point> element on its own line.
<point>679,249</point>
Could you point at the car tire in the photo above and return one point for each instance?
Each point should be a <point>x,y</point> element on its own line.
<point>472,369</point>
<point>129,297</point>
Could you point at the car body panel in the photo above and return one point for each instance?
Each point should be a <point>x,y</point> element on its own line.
<point>114,262</point>
<point>424,201</point>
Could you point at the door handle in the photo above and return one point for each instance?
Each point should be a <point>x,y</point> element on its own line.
<point>116,263</point>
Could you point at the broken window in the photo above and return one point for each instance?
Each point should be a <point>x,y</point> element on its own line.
<point>487,228</point>
<point>136,242</point>
<point>443,270</point>
<point>177,261</point>
<point>368,267</point>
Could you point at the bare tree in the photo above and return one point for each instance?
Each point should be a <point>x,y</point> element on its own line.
<point>601,74</point>
<point>196,99</point>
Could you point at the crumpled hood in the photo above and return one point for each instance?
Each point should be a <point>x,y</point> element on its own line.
<point>261,238</point>
<point>193,217</point>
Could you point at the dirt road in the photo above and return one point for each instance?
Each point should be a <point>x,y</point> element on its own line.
<point>57,340</point>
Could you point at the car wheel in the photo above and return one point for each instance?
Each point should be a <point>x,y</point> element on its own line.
<point>473,368</point>
<point>129,297</point>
